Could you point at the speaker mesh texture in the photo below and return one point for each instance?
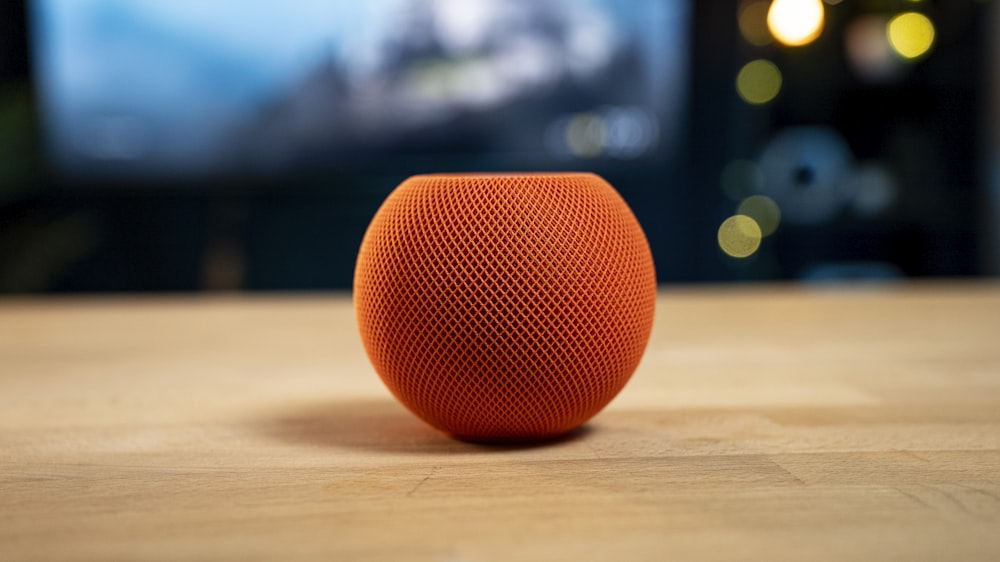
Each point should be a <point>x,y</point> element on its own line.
<point>508,306</point>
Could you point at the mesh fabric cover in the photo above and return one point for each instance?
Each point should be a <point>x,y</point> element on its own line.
<point>507,306</point>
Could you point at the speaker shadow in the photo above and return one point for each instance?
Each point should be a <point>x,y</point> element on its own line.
<point>377,425</point>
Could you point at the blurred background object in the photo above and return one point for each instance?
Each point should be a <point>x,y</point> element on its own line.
<point>179,145</point>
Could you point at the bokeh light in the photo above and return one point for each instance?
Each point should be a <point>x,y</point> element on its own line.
<point>758,82</point>
<point>585,134</point>
<point>875,189</point>
<point>752,19</point>
<point>796,22</point>
<point>624,132</point>
<point>805,169</point>
<point>911,34</point>
<point>868,51</point>
<point>739,236</point>
<point>630,131</point>
<point>763,210</point>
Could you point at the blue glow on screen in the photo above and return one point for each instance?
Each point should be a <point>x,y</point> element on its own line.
<point>189,87</point>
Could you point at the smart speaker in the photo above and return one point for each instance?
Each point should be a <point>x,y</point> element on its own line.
<point>505,307</point>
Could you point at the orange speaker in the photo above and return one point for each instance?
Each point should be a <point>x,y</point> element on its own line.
<point>505,307</point>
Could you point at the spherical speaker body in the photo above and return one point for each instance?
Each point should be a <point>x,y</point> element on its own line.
<point>505,306</point>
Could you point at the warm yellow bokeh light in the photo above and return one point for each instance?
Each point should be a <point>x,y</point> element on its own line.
<point>739,236</point>
<point>796,22</point>
<point>758,82</point>
<point>752,20</point>
<point>911,34</point>
<point>764,211</point>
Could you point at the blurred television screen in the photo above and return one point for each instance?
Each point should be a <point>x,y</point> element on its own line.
<point>167,89</point>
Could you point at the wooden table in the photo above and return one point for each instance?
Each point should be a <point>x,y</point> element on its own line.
<point>769,422</point>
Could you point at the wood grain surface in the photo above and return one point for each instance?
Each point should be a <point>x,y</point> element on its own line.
<point>766,422</point>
